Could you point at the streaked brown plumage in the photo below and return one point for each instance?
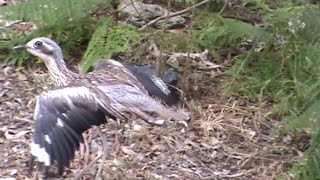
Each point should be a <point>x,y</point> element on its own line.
<point>163,90</point>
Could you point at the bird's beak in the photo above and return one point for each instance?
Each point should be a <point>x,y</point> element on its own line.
<point>19,47</point>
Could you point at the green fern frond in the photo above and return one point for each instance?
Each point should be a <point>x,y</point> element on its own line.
<point>287,71</point>
<point>291,65</point>
<point>66,21</point>
<point>48,12</point>
<point>221,32</point>
<point>299,22</point>
<point>107,39</point>
<point>68,37</point>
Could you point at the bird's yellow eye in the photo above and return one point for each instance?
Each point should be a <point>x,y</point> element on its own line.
<point>38,44</point>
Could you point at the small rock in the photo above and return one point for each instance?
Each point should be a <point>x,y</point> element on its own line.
<point>138,14</point>
<point>137,127</point>
<point>13,172</point>
<point>287,139</point>
<point>22,77</point>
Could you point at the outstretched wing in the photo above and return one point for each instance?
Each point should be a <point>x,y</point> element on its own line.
<point>61,116</point>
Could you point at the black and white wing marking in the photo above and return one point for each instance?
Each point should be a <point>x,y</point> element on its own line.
<point>170,76</point>
<point>61,116</point>
<point>155,86</point>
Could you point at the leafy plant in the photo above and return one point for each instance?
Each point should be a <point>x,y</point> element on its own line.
<point>287,71</point>
<point>290,62</point>
<point>220,32</point>
<point>107,39</point>
<point>68,26</point>
<point>51,13</point>
<point>308,167</point>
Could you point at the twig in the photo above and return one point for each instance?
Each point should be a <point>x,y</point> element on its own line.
<point>104,156</point>
<point>226,2</point>
<point>187,67</point>
<point>173,14</point>
<point>159,60</point>
<point>24,120</point>
<point>135,8</point>
<point>87,167</point>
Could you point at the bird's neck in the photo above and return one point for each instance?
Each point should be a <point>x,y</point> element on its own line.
<point>59,72</point>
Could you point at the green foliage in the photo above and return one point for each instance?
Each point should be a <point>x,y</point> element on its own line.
<point>51,13</point>
<point>287,71</point>
<point>308,167</point>
<point>68,37</point>
<point>258,4</point>
<point>309,121</point>
<point>66,21</point>
<point>220,32</point>
<point>107,39</point>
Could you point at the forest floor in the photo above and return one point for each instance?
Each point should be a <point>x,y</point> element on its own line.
<point>227,138</point>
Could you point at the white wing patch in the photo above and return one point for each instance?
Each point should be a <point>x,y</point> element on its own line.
<point>59,122</point>
<point>116,63</point>
<point>47,139</point>
<point>37,109</point>
<point>67,92</point>
<point>160,84</point>
<point>40,154</point>
<point>65,115</point>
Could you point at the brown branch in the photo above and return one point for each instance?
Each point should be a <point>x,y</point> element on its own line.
<point>226,2</point>
<point>104,156</point>
<point>135,8</point>
<point>173,14</point>
<point>80,174</point>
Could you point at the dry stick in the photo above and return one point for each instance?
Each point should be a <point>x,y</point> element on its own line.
<point>24,120</point>
<point>187,67</point>
<point>104,157</point>
<point>173,14</point>
<point>104,142</point>
<point>119,10</point>
<point>135,9</point>
<point>226,2</point>
<point>87,167</point>
<point>159,60</point>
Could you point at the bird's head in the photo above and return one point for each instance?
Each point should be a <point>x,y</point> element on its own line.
<point>42,47</point>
